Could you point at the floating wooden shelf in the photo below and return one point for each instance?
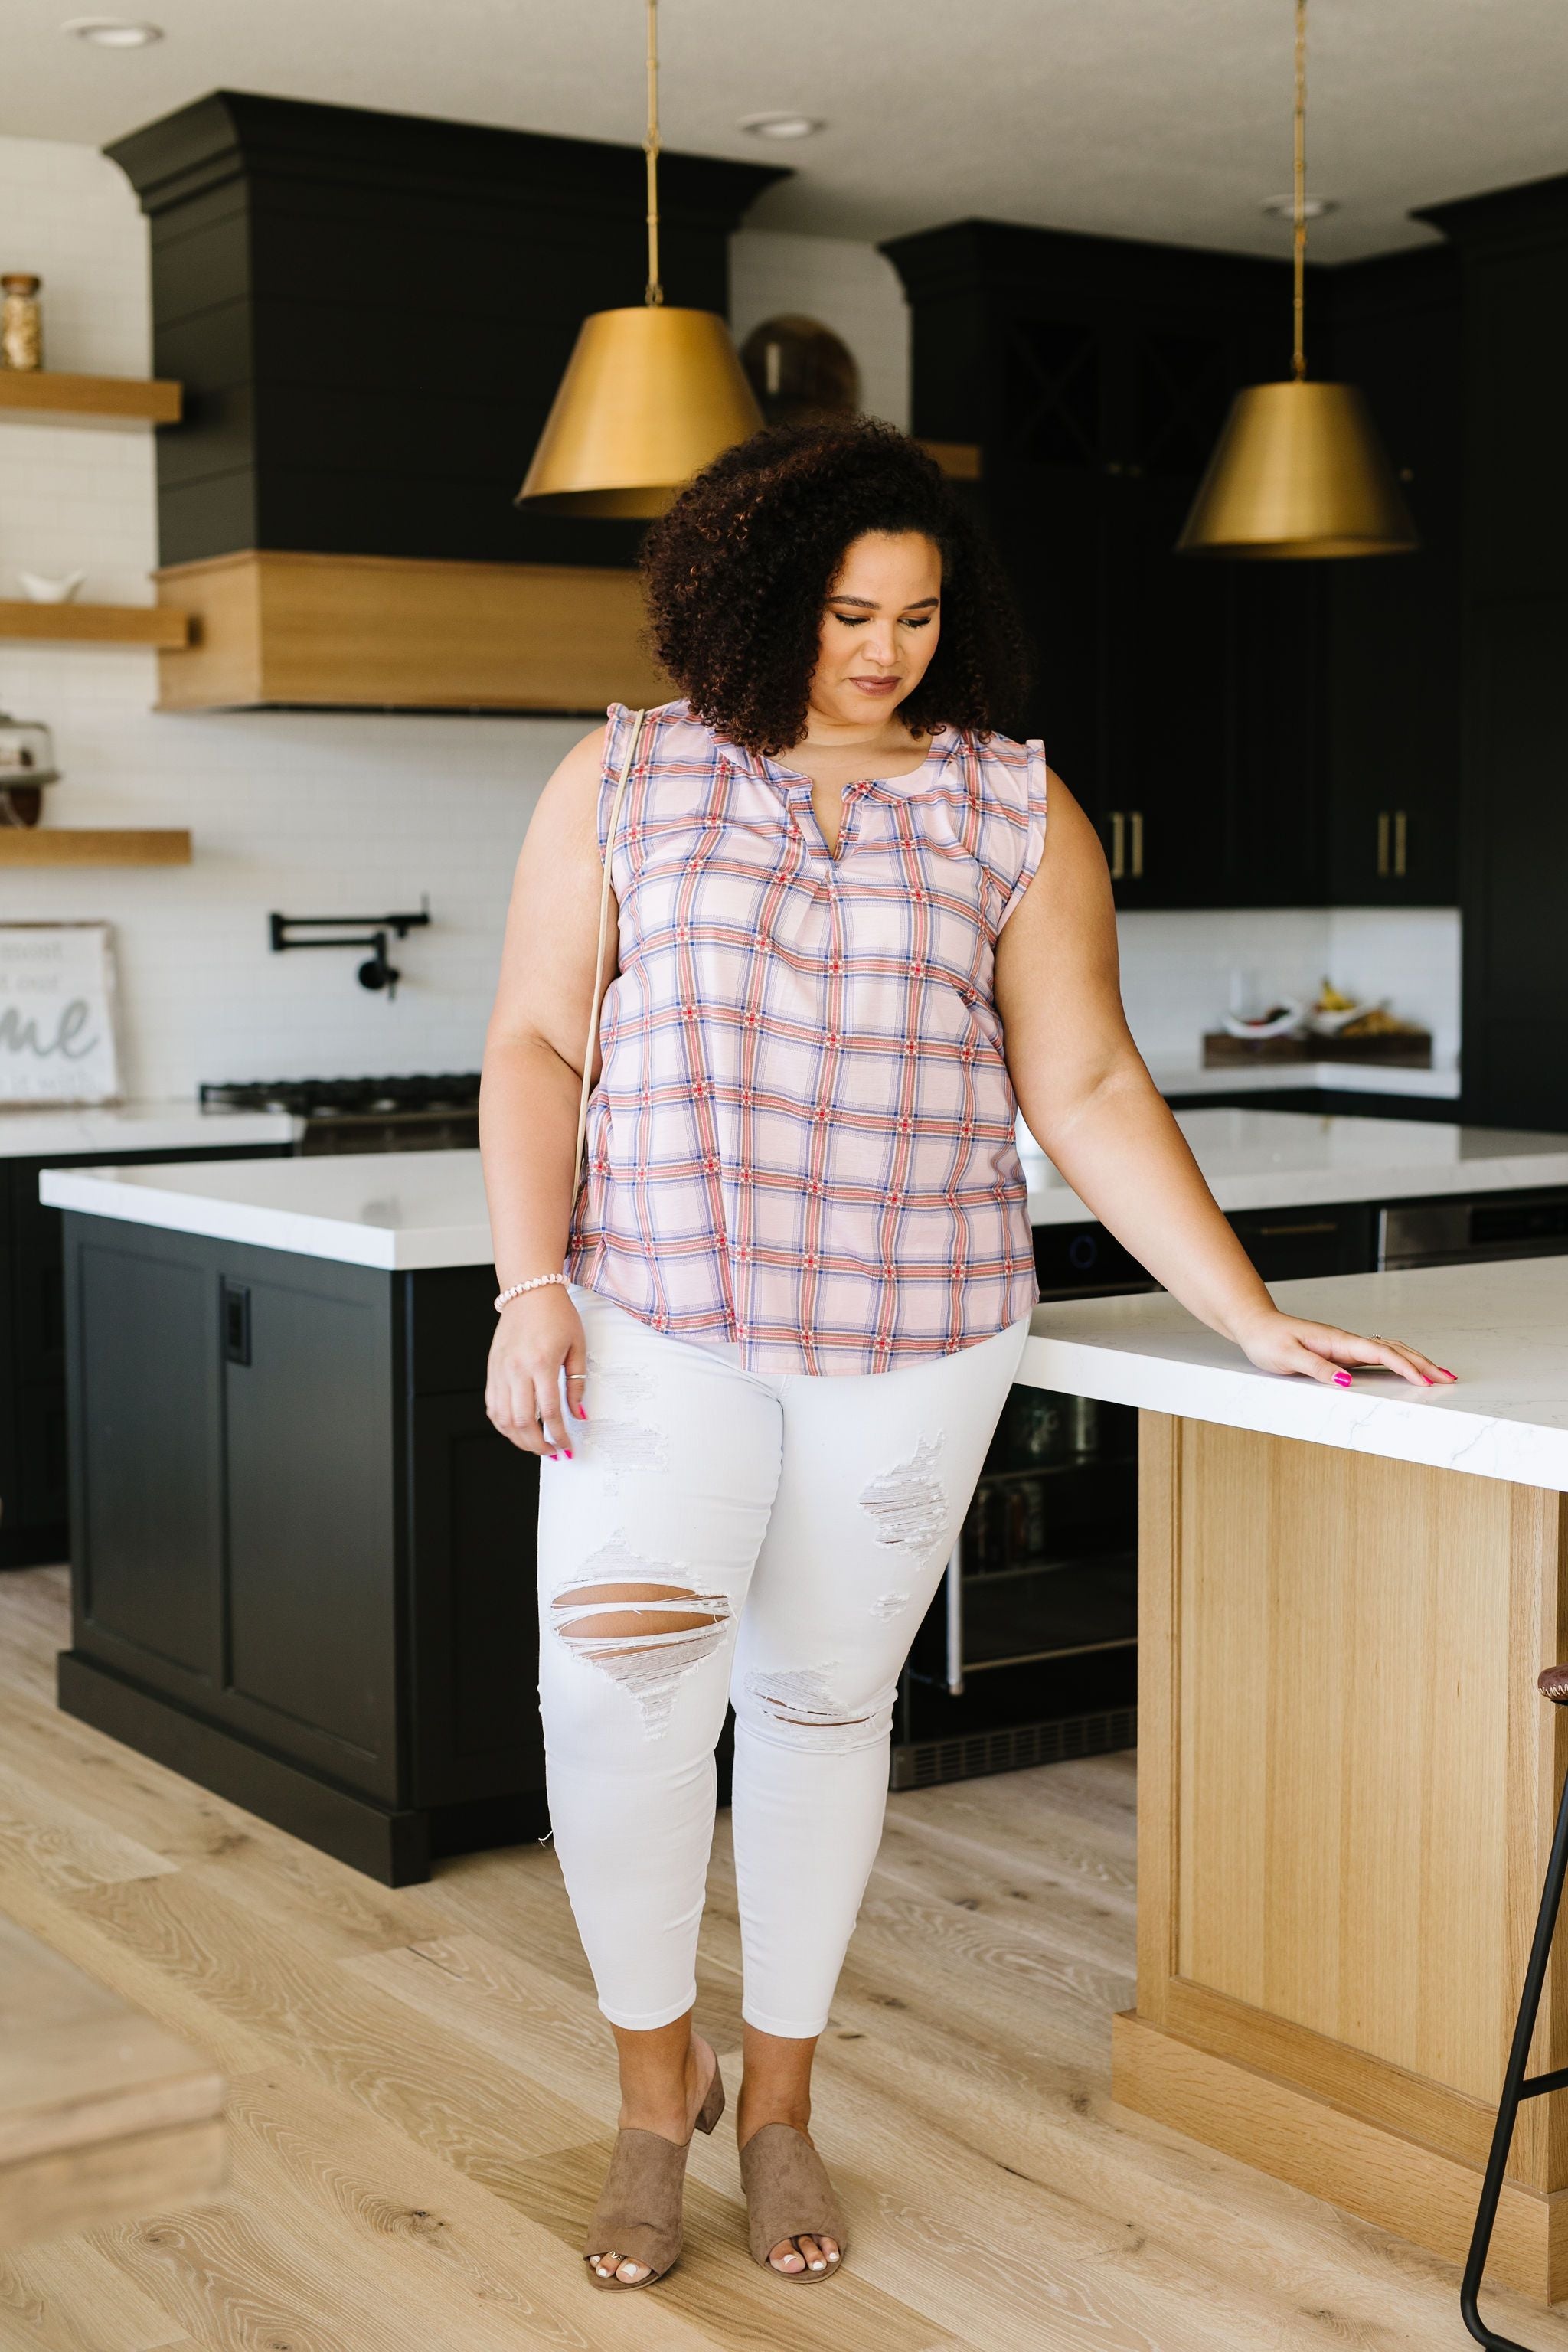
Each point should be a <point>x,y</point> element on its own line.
<point>41,396</point>
<point>93,846</point>
<point>95,624</point>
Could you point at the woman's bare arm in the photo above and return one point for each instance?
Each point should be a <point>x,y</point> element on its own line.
<point>529,1093</point>
<point>1091,1105</point>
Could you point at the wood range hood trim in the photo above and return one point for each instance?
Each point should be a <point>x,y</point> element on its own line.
<point>273,629</point>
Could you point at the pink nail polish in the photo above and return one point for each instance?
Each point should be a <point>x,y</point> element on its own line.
<point>567,1450</point>
<point>1428,1378</point>
<point>1343,1379</point>
<point>1447,1374</point>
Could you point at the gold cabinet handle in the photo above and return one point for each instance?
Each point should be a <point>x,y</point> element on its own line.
<point>1382,845</point>
<point>1137,843</point>
<point>1118,845</point>
<point>1399,841</point>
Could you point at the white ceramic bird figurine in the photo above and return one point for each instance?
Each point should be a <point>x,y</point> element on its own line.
<point>41,590</point>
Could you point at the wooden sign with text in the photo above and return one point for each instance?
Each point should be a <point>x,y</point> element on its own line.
<point>59,1040</point>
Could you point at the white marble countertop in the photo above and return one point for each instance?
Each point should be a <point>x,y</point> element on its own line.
<point>39,1129</point>
<point>416,1209</point>
<point>1502,1327</point>
<point>36,1130</point>
<point>400,1210</point>
<point>1292,1159</point>
<point>1345,1078</point>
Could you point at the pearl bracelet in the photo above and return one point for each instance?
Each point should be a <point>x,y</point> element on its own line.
<point>519,1287</point>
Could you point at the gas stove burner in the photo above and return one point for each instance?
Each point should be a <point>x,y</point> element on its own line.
<point>409,1114</point>
<point>318,1097</point>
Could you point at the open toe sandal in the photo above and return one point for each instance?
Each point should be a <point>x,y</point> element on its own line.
<point>638,2217</point>
<point>789,2195</point>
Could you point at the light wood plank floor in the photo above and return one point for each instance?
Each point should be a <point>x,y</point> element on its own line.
<point>422,2093</point>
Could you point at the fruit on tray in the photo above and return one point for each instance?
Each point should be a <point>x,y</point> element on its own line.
<point>1332,999</point>
<point>1378,1022</point>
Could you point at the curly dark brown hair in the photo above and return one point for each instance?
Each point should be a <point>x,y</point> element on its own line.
<point>739,569</point>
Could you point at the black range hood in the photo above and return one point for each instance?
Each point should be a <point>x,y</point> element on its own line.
<point>370,314</point>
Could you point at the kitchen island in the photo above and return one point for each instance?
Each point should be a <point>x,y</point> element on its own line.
<point>1347,1781</point>
<point>301,1559</point>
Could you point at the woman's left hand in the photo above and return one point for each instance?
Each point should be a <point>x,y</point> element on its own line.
<point>1287,1343</point>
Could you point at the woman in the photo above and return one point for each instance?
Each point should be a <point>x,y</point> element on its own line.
<point>797,1278</point>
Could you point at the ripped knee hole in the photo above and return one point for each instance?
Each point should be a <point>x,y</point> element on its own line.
<point>646,1635</point>
<point>802,1697</point>
<point>621,1613</point>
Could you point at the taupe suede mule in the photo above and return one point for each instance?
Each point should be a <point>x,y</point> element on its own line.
<point>789,2195</point>
<point>638,2217</point>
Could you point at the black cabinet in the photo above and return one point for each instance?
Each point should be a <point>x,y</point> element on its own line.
<point>302,1561</point>
<point>1512,251</point>
<point>148,1533</point>
<point>308,1480</point>
<point>33,1462</point>
<point>1290,1245</point>
<point>1392,666</point>
<point>473,1501</point>
<point>1179,698</point>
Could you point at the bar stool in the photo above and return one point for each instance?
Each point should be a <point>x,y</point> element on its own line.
<point>1517,2086</point>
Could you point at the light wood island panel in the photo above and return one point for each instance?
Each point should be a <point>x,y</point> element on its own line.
<point>1347,1789</point>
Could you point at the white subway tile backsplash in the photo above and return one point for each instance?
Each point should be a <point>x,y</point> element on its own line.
<point>1179,970</point>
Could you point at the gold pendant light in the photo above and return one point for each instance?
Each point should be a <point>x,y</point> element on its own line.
<point>1299,470</point>
<point>649,396</point>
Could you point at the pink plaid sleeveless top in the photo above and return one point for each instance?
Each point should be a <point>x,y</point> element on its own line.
<point>802,1140</point>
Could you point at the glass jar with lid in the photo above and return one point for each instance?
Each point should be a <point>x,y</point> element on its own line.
<point>21,321</point>
<point>27,764</point>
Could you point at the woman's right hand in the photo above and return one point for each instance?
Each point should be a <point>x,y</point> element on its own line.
<point>537,1334</point>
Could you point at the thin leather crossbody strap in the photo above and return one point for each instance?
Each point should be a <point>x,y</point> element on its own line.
<point>626,766</point>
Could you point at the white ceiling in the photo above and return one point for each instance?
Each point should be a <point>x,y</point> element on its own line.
<point>1150,118</point>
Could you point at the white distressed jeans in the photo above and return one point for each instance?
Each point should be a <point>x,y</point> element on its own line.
<point>770,1538</point>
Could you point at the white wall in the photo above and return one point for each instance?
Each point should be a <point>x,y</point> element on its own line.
<point>1181,972</point>
<point>328,814</point>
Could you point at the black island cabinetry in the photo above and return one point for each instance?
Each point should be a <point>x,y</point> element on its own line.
<point>302,1558</point>
<point>34,1528</point>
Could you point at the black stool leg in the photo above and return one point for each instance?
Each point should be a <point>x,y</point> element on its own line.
<point>1515,2088</point>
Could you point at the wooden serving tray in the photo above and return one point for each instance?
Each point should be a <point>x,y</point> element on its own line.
<point>1405,1049</point>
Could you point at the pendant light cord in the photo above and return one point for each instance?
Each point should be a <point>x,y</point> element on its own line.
<point>655,294</point>
<point>1299,196</point>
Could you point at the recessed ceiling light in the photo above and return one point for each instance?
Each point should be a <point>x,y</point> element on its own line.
<point>1313,208</point>
<point>781,126</point>
<point>112,32</point>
